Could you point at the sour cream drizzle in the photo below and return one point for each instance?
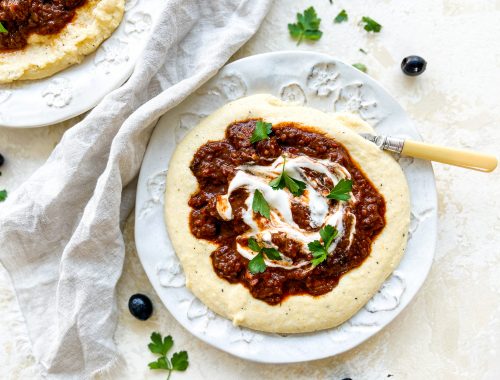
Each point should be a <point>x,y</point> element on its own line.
<point>256,177</point>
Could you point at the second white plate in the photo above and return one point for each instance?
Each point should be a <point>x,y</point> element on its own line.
<point>322,82</point>
<point>71,92</point>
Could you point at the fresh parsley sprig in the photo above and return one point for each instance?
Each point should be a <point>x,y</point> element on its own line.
<point>341,190</point>
<point>341,17</point>
<point>371,25</point>
<point>360,66</point>
<point>295,186</point>
<point>257,264</point>
<point>178,362</point>
<point>261,131</point>
<point>307,26</point>
<point>319,249</point>
<point>260,205</point>
<point>3,195</point>
<point>2,29</point>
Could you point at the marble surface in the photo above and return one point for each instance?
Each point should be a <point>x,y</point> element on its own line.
<point>452,328</point>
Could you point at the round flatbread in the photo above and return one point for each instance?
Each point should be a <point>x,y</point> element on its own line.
<point>45,55</point>
<point>296,313</point>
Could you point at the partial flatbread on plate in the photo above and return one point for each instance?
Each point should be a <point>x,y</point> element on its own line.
<point>46,55</point>
<point>211,219</point>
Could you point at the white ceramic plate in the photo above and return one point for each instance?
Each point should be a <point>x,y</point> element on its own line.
<point>325,83</point>
<point>73,91</point>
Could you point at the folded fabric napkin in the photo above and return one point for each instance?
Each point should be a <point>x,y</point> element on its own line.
<point>60,238</point>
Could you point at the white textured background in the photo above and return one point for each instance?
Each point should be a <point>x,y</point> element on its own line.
<point>452,329</point>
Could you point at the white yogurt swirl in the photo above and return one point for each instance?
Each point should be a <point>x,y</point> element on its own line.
<point>322,213</point>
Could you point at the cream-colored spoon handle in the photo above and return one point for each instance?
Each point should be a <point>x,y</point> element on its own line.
<point>458,157</point>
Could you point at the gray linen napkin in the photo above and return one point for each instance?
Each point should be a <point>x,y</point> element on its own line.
<point>60,238</point>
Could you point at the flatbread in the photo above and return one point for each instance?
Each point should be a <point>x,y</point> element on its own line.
<point>45,55</point>
<point>297,313</point>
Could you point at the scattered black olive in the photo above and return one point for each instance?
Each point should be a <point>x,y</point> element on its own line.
<point>2,160</point>
<point>140,306</point>
<point>413,65</point>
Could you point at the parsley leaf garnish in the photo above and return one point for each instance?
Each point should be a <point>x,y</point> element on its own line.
<point>161,363</point>
<point>253,245</point>
<point>328,233</point>
<point>261,131</point>
<point>159,346</point>
<point>319,249</point>
<point>360,67</point>
<point>295,186</point>
<point>341,17</point>
<point>272,253</point>
<point>257,264</point>
<point>180,361</point>
<point>2,29</point>
<point>307,26</point>
<point>341,190</point>
<point>260,205</point>
<point>3,195</point>
<point>371,25</point>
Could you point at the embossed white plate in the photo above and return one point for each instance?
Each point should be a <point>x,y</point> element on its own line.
<point>325,83</point>
<point>73,91</point>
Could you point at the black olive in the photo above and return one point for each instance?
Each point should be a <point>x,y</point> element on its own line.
<point>413,65</point>
<point>2,160</point>
<point>140,306</point>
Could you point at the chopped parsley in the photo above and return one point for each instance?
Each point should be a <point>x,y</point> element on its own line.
<point>295,186</point>
<point>319,249</point>
<point>257,264</point>
<point>360,66</point>
<point>261,131</point>
<point>371,25</point>
<point>178,362</point>
<point>341,17</point>
<point>253,245</point>
<point>307,26</point>
<point>272,253</point>
<point>260,205</point>
<point>341,190</point>
<point>363,51</point>
<point>3,195</point>
<point>2,29</point>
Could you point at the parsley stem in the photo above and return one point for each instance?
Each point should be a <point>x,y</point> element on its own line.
<point>169,373</point>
